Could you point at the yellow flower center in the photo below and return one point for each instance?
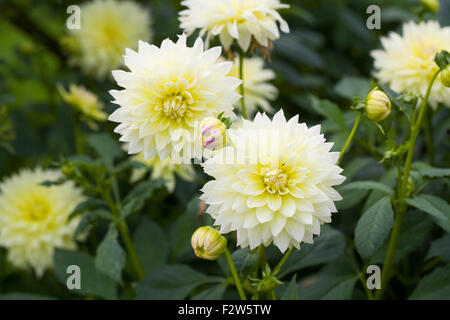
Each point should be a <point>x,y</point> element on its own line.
<point>36,210</point>
<point>275,181</point>
<point>174,107</point>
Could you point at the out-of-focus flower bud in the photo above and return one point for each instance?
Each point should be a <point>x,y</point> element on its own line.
<point>68,169</point>
<point>445,76</point>
<point>378,105</point>
<point>432,5</point>
<point>213,133</point>
<point>208,243</point>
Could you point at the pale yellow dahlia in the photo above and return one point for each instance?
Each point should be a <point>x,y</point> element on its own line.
<point>162,169</point>
<point>406,62</point>
<point>235,20</point>
<point>168,92</point>
<point>107,28</point>
<point>84,101</point>
<point>257,88</point>
<point>34,218</point>
<point>274,183</point>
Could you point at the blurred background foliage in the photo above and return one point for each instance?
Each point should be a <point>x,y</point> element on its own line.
<point>320,66</point>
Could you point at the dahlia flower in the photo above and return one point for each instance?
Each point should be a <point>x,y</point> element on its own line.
<point>165,170</point>
<point>168,92</point>
<point>257,88</point>
<point>34,219</point>
<point>239,20</point>
<point>85,102</point>
<point>274,183</point>
<point>406,62</point>
<point>107,28</point>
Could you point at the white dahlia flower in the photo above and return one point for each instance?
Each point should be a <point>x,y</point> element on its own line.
<point>257,88</point>
<point>274,183</point>
<point>162,169</point>
<point>406,62</point>
<point>34,219</point>
<point>107,28</point>
<point>168,92</point>
<point>235,20</point>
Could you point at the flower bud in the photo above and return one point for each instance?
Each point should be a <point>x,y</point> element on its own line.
<point>208,243</point>
<point>432,5</point>
<point>378,105</point>
<point>445,76</point>
<point>213,133</point>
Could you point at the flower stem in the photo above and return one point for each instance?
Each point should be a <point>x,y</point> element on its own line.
<point>78,136</point>
<point>402,192</point>
<point>125,234</point>
<point>237,281</point>
<point>350,137</point>
<point>429,136</point>
<point>282,261</point>
<point>241,88</point>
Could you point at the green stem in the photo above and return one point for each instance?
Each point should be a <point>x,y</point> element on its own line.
<point>400,205</point>
<point>350,137</point>
<point>241,88</point>
<point>282,261</point>
<point>237,281</point>
<point>125,234</point>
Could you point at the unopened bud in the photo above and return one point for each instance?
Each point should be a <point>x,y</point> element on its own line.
<point>445,76</point>
<point>378,105</point>
<point>213,133</point>
<point>208,243</point>
<point>432,5</point>
<point>68,170</point>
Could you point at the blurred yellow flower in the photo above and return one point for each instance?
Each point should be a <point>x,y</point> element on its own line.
<point>107,28</point>
<point>162,169</point>
<point>257,88</point>
<point>34,218</point>
<point>239,20</point>
<point>85,102</point>
<point>406,62</point>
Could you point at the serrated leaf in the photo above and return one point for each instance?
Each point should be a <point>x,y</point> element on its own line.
<point>330,288</point>
<point>373,227</point>
<point>368,185</point>
<point>111,258</point>
<point>172,282</point>
<point>245,261</point>
<point>426,170</point>
<point>435,286</point>
<point>137,197</point>
<point>151,244</point>
<point>325,248</point>
<point>93,282</point>
<point>291,291</point>
<point>437,208</point>
<point>350,87</point>
<point>440,248</point>
<point>106,147</point>
<point>330,111</point>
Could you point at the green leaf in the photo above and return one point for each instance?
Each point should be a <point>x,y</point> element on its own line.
<point>350,87</point>
<point>172,282</point>
<point>151,244</point>
<point>414,232</point>
<point>182,229</point>
<point>435,286</point>
<point>426,170</point>
<point>369,185</point>
<point>24,296</point>
<point>245,261</point>
<point>93,282</point>
<point>440,248</point>
<point>437,208</point>
<point>106,147</point>
<point>137,197</point>
<point>442,59</point>
<point>330,111</point>
<point>291,292</point>
<point>373,227</point>
<point>330,288</point>
<point>214,293</point>
<point>325,248</point>
<point>111,258</point>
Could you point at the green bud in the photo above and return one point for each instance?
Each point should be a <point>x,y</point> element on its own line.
<point>378,105</point>
<point>445,76</point>
<point>432,5</point>
<point>208,243</point>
